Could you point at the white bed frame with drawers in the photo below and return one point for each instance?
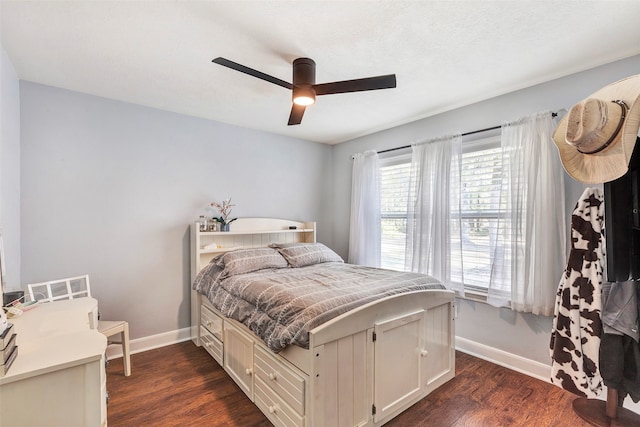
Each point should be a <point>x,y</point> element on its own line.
<point>361,369</point>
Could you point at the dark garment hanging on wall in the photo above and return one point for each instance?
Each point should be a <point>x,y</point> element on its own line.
<point>620,308</point>
<point>619,348</point>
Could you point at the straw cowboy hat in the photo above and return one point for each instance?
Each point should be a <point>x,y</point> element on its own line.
<point>597,136</point>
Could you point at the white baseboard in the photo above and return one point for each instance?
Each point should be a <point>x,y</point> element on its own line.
<point>508,360</point>
<point>149,343</point>
<point>520,364</point>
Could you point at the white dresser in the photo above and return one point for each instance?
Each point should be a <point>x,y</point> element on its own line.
<point>58,378</point>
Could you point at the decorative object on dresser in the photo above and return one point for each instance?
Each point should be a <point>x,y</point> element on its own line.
<point>77,287</point>
<point>3,321</point>
<point>224,209</point>
<point>8,347</point>
<point>363,367</point>
<point>9,297</point>
<point>8,339</point>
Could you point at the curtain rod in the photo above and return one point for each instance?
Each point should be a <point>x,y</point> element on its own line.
<point>464,134</point>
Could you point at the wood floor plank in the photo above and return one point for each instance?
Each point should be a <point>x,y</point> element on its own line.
<point>181,385</point>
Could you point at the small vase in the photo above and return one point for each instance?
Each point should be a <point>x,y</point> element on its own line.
<point>224,227</point>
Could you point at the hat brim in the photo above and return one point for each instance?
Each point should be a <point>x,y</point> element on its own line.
<point>612,162</point>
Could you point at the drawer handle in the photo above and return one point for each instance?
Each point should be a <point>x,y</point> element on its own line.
<point>273,408</point>
<point>273,376</point>
<point>424,353</point>
<point>207,323</point>
<point>248,371</point>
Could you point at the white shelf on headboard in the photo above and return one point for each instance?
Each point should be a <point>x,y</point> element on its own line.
<point>227,233</point>
<point>204,250</point>
<point>208,237</point>
<point>244,235</point>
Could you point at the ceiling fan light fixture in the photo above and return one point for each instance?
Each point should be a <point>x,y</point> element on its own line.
<point>304,96</point>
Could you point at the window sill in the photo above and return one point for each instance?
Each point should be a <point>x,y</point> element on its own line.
<point>473,295</point>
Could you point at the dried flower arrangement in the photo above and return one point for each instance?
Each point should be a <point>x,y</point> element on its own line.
<point>225,209</point>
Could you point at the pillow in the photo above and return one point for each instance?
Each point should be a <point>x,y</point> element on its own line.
<point>243,261</point>
<point>303,254</point>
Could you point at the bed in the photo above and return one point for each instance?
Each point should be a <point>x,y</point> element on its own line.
<point>368,355</point>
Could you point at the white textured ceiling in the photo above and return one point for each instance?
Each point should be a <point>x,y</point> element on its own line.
<point>445,54</point>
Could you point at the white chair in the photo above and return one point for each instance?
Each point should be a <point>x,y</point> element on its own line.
<point>77,287</point>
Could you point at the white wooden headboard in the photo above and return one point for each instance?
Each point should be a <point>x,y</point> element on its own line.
<point>246,233</point>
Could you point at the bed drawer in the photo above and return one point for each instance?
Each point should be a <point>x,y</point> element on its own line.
<point>276,375</point>
<point>278,412</point>
<point>212,345</point>
<point>212,322</point>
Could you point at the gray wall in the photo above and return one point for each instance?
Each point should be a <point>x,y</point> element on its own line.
<point>110,188</point>
<point>522,334</point>
<point>10,170</point>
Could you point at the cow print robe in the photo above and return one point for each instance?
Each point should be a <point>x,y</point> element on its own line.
<point>575,337</point>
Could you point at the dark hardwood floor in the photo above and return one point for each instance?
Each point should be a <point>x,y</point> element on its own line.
<point>181,385</point>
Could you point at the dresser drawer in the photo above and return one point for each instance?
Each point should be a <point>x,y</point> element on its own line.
<point>213,345</point>
<point>276,375</point>
<point>278,412</point>
<point>212,322</point>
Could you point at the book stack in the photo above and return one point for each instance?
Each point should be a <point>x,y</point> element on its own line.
<point>9,348</point>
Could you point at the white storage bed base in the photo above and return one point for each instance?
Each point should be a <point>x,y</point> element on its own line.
<point>361,369</point>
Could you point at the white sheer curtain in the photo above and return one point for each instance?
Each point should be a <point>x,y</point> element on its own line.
<point>528,243</point>
<point>364,229</point>
<point>433,220</point>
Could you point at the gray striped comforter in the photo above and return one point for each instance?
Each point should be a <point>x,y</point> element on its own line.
<point>282,305</point>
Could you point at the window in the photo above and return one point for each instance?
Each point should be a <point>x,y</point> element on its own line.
<point>481,178</point>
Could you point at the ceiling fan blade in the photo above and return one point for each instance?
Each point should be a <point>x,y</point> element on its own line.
<point>297,111</point>
<point>370,83</point>
<point>252,72</point>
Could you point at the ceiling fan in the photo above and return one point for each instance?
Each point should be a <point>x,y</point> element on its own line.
<point>304,88</point>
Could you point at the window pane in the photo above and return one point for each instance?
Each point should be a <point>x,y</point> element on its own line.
<point>394,236</point>
<point>481,179</point>
<point>394,191</point>
<point>475,251</point>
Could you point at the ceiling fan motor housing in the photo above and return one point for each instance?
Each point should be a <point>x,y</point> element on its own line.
<point>304,77</point>
<point>304,71</point>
